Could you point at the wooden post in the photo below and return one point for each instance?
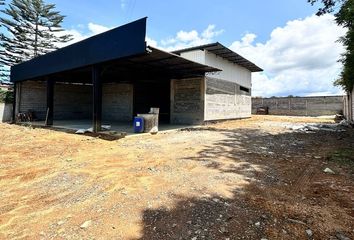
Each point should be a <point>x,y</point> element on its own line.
<point>14,103</point>
<point>50,102</point>
<point>97,99</point>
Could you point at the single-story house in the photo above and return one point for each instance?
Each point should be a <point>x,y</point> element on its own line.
<point>113,76</point>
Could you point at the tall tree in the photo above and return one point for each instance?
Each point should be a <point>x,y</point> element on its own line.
<point>32,28</point>
<point>3,76</point>
<point>344,17</point>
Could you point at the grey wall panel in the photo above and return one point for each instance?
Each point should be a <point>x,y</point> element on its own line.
<point>187,101</point>
<point>32,97</point>
<point>301,106</point>
<point>117,103</point>
<point>72,101</point>
<point>225,100</point>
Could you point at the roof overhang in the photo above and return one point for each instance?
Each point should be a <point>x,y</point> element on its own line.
<point>224,52</point>
<point>123,47</point>
<point>119,42</point>
<point>174,64</point>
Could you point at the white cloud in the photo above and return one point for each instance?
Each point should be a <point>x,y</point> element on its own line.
<point>210,32</point>
<point>299,58</point>
<point>187,36</point>
<point>123,4</point>
<point>82,32</point>
<point>97,29</point>
<point>151,42</point>
<point>184,39</point>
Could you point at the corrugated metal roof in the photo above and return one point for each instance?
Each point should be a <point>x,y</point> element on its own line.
<point>171,62</point>
<point>224,52</point>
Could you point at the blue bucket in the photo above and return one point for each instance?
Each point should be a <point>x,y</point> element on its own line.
<point>138,124</point>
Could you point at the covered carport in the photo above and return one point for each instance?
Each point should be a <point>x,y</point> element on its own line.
<point>104,79</point>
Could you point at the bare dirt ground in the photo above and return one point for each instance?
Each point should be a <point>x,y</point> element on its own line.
<point>247,179</point>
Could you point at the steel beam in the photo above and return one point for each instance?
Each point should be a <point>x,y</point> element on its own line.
<point>97,98</point>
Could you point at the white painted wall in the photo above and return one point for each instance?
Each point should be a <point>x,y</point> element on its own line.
<point>230,71</point>
<point>195,56</point>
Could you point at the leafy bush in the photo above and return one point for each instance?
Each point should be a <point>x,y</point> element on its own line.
<point>6,96</point>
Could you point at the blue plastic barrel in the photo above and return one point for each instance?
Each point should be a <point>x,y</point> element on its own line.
<point>138,124</point>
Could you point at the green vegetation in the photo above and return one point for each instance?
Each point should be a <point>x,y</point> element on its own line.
<point>6,96</point>
<point>29,28</point>
<point>344,157</point>
<point>345,18</point>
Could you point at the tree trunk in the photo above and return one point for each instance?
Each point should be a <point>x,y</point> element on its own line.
<point>36,39</point>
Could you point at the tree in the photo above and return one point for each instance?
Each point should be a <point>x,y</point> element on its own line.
<point>328,5</point>
<point>33,28</point>
<point>2,67</point>
<point>344,17</point>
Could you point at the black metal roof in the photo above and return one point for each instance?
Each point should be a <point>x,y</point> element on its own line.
<point>122,47</point>
<point>123,41</point>
<point>224,52</point>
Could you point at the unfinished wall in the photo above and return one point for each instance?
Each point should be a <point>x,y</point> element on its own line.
<point>31,95</point>
<point>5,112</point>
<point>75,101</point>
<point>187,101</point>
<point>225,100</point>
<point>117,102</point>
<point>72,101</point>
<point>300,106</point>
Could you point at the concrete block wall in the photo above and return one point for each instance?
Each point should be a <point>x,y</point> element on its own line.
<point>75,101</point>
<point>225,100</point>
<point>117,102</point>
<point>72,101</point>
<point>5,112</point>
<point>187,101</point>
<point>31,95</point>
<point>300,106</point>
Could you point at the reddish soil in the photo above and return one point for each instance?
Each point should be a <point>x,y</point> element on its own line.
<point>247,179</point>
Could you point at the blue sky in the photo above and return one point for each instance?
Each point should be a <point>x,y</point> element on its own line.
<point>165,18</point>
<point>297,50</point>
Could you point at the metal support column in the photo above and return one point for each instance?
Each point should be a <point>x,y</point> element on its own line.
<point>97,99</point>
<point>14,103</point>
<point>50,102</point>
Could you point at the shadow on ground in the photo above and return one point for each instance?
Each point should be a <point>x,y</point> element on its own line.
<point>286,193</point>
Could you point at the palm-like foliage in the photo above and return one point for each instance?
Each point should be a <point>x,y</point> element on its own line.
<point>32,28</point>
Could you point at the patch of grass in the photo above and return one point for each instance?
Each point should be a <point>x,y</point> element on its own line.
<point>344,157</point>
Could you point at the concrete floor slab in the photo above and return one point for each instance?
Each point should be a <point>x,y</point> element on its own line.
<point>120,127</point>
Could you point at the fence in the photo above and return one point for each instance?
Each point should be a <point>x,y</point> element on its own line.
<point>300,106</point>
